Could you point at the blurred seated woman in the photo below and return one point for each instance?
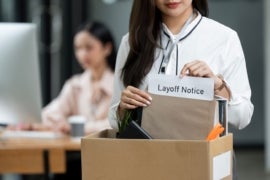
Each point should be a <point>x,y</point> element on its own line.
<point>87,94</point>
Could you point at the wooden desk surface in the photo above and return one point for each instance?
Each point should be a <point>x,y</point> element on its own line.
<point>65,143</point>
<point>26,155</point>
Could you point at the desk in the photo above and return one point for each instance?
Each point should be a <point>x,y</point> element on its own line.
<point>34,156</point>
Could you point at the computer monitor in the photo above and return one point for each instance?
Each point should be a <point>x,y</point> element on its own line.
<point>20,92</point>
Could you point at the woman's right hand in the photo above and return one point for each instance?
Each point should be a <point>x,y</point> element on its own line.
<point>132,98</point>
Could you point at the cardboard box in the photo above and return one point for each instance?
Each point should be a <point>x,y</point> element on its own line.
<point>107,158</point>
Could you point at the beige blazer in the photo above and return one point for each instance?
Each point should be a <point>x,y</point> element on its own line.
<point>81,96</point>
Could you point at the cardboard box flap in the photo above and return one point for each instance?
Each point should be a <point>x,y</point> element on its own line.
<point>224,143</point>
<point>220,152</point>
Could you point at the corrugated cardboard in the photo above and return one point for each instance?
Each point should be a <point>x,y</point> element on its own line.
<point>107,158</point>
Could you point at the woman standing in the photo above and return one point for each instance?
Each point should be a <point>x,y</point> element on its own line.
<point>177,38</point>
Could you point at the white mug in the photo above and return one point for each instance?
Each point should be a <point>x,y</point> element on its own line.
<point>77,123</point>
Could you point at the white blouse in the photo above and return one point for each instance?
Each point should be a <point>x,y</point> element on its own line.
<point>203,39</point>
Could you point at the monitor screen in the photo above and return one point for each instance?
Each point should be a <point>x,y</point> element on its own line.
<point>20,92</point>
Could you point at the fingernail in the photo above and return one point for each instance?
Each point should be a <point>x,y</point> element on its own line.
<point>144,105</point>
<point>148,102</point>
<point>150,98</point>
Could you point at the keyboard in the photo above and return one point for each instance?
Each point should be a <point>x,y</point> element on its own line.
<point>30,134</point>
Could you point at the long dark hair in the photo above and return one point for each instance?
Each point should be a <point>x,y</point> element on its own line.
<point>144,30</point>
<point>103,34</point>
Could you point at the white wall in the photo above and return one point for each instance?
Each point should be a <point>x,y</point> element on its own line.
<point>267,82</point>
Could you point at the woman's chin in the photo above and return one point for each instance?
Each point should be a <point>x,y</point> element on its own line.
<point>87,67</point>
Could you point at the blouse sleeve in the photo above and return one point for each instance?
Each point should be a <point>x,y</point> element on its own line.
<point>118,83</point>
<point>60,108</point>
<point>240,108</point>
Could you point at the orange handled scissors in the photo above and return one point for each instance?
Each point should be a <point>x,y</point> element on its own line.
<point>215,132</point>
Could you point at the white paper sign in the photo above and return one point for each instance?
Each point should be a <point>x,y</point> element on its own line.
<point>222,165</point>
<point>186,87</point>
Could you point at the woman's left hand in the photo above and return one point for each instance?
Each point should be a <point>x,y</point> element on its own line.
<point>198,69</point>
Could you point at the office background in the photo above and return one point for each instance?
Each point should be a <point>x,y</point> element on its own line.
<point>57,21</point>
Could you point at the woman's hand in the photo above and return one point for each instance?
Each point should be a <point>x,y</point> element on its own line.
<point>201,69</point>
<point>132,98</point>
<point>62,127</point>
<point>197,68</point>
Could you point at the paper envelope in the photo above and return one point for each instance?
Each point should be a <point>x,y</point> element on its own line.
<point>178,118</point>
